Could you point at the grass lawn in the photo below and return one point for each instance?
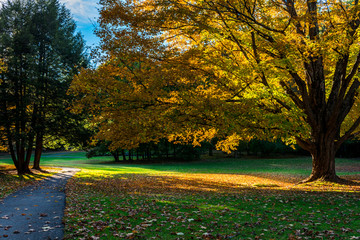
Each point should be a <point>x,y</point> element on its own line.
<point>213,199</point>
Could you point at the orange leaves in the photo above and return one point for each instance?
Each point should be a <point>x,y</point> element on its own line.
<point>190,71</point>
<point>198,183</point>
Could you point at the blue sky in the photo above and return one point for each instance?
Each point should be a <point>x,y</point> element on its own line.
<point>85,13</point>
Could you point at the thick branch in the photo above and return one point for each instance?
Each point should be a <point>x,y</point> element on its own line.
<point>292,95</point>
<point>339,75</point>
<point>290,7</point>
<point>349,134</point>
<point>305,144</point>
<point>353,70</point>
<point>348,101</point>
<point>313,26</point>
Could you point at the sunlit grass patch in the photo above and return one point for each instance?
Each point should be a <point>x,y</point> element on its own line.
<point>109,205</point>
<point>11,182</point>
<point>353,186</point>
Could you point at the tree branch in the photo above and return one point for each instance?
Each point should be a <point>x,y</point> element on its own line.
<point>354,69</point>
<point>349,134</point>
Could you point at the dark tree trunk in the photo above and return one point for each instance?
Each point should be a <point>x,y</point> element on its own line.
<point>115,154</point>
<point>12,153</point>
<point>211,150</point>
<point>167,148</point>
<point>22,167</point>
<point>123,154</point>
<point>38,151</point>
<point>148,153</point>
<point>323,152</point>
<point>323,162</point>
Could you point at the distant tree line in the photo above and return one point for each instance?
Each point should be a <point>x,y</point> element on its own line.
<point>165,151</point>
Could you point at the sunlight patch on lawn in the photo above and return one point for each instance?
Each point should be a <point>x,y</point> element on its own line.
<point>162,205</point>
<point>161,181</point>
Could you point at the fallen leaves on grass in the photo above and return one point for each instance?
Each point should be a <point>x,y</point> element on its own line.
<point>207,206</point>
<point>11,182</point>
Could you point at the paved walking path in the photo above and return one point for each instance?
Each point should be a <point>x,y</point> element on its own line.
<point>36,212</point>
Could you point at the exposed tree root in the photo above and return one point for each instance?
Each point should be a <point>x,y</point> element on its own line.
<point>330,179</point>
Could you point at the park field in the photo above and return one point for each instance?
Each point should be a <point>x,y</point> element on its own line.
<point>209,199</point>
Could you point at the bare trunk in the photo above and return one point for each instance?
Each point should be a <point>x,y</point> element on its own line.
<point>323,161</point>
<point>123,154</point>
<point>22,167</point>
<point>38,151</point>
<point>323,166</point>
<point>115,154</point>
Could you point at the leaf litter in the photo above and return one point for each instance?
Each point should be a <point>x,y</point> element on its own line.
<point>101,205</point>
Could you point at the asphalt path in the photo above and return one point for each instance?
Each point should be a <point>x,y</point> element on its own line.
<point>36,212</point>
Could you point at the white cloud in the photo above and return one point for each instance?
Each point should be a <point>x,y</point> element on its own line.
<point>82,10</point>
<point>85,13</point>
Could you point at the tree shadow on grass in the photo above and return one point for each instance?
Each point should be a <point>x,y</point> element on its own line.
<point>10,171</point>
<point>207,183</point>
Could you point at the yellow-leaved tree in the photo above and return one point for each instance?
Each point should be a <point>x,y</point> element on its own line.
<point>193,70</point>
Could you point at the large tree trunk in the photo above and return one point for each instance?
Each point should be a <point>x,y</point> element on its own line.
<point>323,165</point>
<point>323,160</point>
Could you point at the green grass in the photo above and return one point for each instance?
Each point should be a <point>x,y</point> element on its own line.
<point>226,165</point>
<point>106,206</point>
<point>223,216</point>
<point>294,166</point>
<point>211,199</point>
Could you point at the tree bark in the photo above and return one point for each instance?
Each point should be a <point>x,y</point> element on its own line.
<point>123,154</point>
<point>115,154</point>
<point>38,151</point>
<point>22,167</point>
<point>323,160</point>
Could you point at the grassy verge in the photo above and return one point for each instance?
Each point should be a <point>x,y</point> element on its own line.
<point>11,182</point>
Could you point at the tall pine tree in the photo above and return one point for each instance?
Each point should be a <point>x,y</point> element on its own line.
<point>42,51</point>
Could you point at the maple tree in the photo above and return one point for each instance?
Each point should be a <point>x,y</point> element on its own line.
<point>193,70</point>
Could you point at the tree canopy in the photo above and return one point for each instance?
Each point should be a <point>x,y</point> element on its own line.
<point>193,70</point>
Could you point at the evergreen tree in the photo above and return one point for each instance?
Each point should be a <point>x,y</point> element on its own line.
<point>42,52</point>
